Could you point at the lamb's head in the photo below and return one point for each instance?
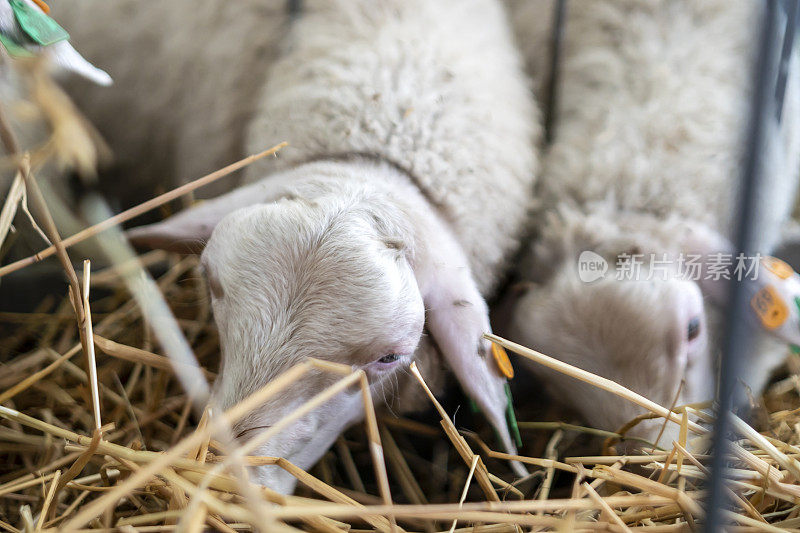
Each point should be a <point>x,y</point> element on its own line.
<point>297,279</point>
<point>349,276</point>
<point>644,322</point>
<point>649,336</point>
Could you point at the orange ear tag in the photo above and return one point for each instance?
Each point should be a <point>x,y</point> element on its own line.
<point>44,7</point>
<point>502,361</point>
<point>777,267</point>
<point>769,307</point>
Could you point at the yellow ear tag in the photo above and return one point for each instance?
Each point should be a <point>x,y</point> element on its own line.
<point>502,361</point>
<point>769,307</point>
<point>777,267</point>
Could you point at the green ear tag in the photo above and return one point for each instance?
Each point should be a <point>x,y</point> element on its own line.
<point>512,418</point>
<point>14,48</point>
<point>793,347</point>
<point>38,26</point>
<point>473,407</point>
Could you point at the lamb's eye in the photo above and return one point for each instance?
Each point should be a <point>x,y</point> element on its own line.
<point>693,329</point>
<point>391,358</point>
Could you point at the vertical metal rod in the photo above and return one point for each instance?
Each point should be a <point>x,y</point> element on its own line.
<point>792,8</point>
<point>294,7</point>
<point>737,334</point>
<point>556,40</point>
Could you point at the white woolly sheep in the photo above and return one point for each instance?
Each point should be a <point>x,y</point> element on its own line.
<point>396,206</point>
<point>653,103</point>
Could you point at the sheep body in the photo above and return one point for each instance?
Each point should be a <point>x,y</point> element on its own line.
<point>204,109</point>
<point>440,105</point>
<point>653,103</point>
<point>219,109</point>
<point>655,94</point>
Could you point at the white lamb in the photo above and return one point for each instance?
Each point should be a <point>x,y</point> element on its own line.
<point>646,159</point>
<point>396,208</point>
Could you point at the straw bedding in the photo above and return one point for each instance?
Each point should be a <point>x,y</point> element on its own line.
<point>86,359</point>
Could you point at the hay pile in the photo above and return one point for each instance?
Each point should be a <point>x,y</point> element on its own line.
<point>54,474</point>
<point>97,431</point>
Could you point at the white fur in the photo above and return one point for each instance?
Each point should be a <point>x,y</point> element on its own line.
<point>647,154</point>
<point>398,204</point>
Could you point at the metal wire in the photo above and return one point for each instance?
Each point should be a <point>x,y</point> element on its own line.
<point>767,100</point>
<point>556,40</point>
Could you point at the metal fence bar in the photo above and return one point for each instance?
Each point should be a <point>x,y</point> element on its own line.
<point>767,96</point>
<point>294,7</point>
<point>792,8</point>
<point>556,43</point>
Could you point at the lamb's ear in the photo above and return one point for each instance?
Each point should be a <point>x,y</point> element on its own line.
<point>188,231</point>
<point>64,57</point>
<point>457,317</point>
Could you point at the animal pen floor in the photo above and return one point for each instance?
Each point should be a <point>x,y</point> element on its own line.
<point>55,475</point>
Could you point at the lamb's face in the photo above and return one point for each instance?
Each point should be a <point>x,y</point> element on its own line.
<point>297,279</point>
<point>645,335</point>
